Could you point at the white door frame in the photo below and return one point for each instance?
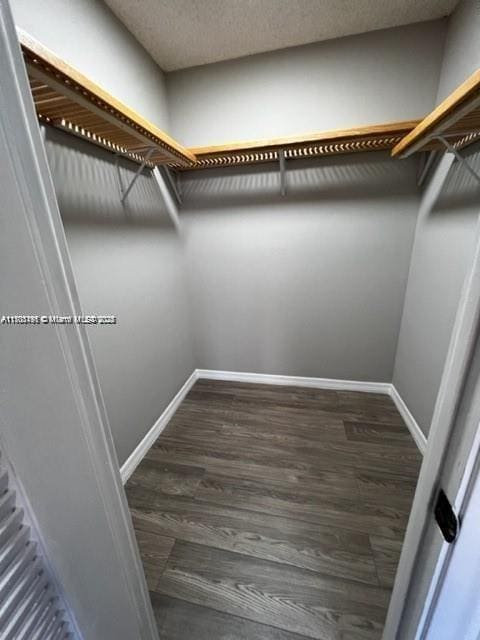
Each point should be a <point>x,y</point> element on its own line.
<point>453,608</point>
<point>457,365</point>
<point>72,468</point>
<point>461,505</point>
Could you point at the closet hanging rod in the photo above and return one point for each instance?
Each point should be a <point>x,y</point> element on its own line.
<point>125,191</point>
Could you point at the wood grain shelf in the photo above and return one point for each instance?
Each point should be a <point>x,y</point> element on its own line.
<point>457,118</point>
<point>326,143</point>
<point>66,99</point>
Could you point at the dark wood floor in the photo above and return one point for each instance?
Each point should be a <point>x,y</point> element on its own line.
<point>274,513</point>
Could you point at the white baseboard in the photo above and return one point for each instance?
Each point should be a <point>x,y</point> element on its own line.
<point>412,424</point>
<point>386,388</point>
<point>137,455</point>
<point>296,381</point>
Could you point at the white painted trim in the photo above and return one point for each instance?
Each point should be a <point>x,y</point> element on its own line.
<point>446,557</point>
<point>412,424</point>
<point>296,381</point>
<point>137,455</point>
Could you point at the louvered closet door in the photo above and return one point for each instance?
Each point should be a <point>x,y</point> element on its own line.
<point>29,607</point>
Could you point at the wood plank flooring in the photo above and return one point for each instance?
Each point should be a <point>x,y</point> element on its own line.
<point>274,513</point>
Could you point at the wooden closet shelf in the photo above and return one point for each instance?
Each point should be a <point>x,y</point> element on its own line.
<point>457,119</point>
<point>339,141</point>
<point>68,100</point>
<point>65,98</point>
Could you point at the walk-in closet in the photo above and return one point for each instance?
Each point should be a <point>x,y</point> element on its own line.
<point>240,276</point>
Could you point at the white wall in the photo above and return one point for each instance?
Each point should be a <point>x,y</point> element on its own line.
<point>312,285</point>
<point>462,47</point>
<point>442,254</point>
<point>128,261</point>
<point>443,249</point>
<point>90,37</point>
<point>309,285</point>
<point>371,78</point>
<point>376,77</point>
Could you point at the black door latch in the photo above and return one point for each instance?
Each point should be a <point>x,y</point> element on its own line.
<point>446,517</point>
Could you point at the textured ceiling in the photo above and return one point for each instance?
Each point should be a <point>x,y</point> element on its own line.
<point>186,33</point>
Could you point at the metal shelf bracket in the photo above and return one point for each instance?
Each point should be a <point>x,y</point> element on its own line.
<point>125,191</point>
<point>174,182</point>
<point>458,156</point>
<point>283,173</point>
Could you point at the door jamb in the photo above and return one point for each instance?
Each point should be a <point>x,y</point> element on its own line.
<point>464,335</point>
<point>467,484</point>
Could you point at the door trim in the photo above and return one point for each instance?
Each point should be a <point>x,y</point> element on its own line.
<point>457,364</point>
<point>445,556</point>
